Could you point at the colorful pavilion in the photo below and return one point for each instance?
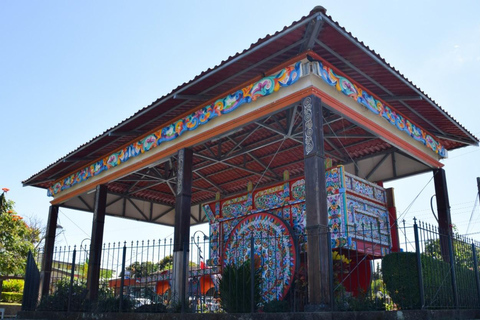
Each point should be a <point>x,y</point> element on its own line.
<point>280,115</point>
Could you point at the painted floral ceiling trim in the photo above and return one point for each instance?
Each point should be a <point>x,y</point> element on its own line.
<point>377,107</point>
<point>250,93</point>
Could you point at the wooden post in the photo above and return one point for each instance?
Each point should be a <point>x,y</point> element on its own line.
<point>182,225</point>
<point>93,276</point>
<point>318,242</point>
<point>48,251</point>
<point>443,210</point>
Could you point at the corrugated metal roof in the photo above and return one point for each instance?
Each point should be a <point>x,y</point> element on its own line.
<point>335,45</point>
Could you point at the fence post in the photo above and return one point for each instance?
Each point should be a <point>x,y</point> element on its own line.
<point>32,284</point>
<point>330,269</point>
<point>184,275</point>
<point>252,275</point>
<point>475,267</point>
<point>419,264</point>
<point>453,272</point>
<point>122,277</point>
<point>72,275</point>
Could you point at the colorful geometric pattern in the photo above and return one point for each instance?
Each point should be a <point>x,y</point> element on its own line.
<point>365,188</point>
<point>236,207</point>
<point>250,93</point>
<point>208,212</point>
<point>298,190</point>
<point>377,107</point>
<point>274,251</point>
<point>368,221</point>
<point>214,245</point>
<point>270,198</point>
<point>333,180</point>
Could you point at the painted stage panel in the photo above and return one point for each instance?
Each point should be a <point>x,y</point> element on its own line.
<point>276,217</point>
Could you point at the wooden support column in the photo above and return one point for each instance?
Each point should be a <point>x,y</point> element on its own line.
<point>48,251</point>
<point>319,276</point>
<point>443,211</point>
<point>94,261</point>
<point>182,225</point>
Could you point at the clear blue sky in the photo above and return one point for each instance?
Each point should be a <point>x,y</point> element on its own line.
<point>71,69</point>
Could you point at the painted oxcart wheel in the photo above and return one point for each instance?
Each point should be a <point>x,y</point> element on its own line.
<point>274,250</point>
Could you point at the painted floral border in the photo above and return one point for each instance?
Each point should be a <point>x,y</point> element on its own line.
<point>250,93</point>
<point>377,107</point>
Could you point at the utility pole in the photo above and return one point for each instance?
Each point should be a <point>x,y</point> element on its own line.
<point>478,185</point>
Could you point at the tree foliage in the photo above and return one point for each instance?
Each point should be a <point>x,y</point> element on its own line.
<point>463,253</point>
<point>146,268</point>
<point>16,238</point>
<point>141,269</point>
<point>166,263</point>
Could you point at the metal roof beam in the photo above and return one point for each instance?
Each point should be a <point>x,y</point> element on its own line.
<point>74,159</point>
<point>169,184</point>
<point>228,164</point>
<point>453,138</point>
<point>143,188</point>
<point>138,209</point>
<point>291,118</point>
<point>283,134</point>
<point>85,203</point>
<point>162,214</point>
<point>195,97</point>
<point>401,98</point>
<point>122,196</point>
<point>285,130</point>
<point>257,160</point>
<point>349,136</point>
<point>311,34</point>
<point>331,144</point>
<point>379,163</point>
<point>135,180</point>
<point>210,182</point>
<point>125,133</point>
<point>194,218</point>
<point>394,165</point>
<point>238,144</point>
<point>359,143</point>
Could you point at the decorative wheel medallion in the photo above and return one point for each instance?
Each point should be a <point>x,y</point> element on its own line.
<point>275,252</point>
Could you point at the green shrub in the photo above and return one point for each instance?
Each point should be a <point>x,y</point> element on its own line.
<point>107,303</point>
<point>13,285</point>
<point>235,288</point>
<point>401,278</point>
<point>276,306</point>
<point>58,301</point>
<point>12,297</point>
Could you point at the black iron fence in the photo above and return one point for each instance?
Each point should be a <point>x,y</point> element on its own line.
<point>433,270</point>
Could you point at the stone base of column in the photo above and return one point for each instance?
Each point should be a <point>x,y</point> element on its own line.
<point>319,268</point>
<point>180,277</point>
